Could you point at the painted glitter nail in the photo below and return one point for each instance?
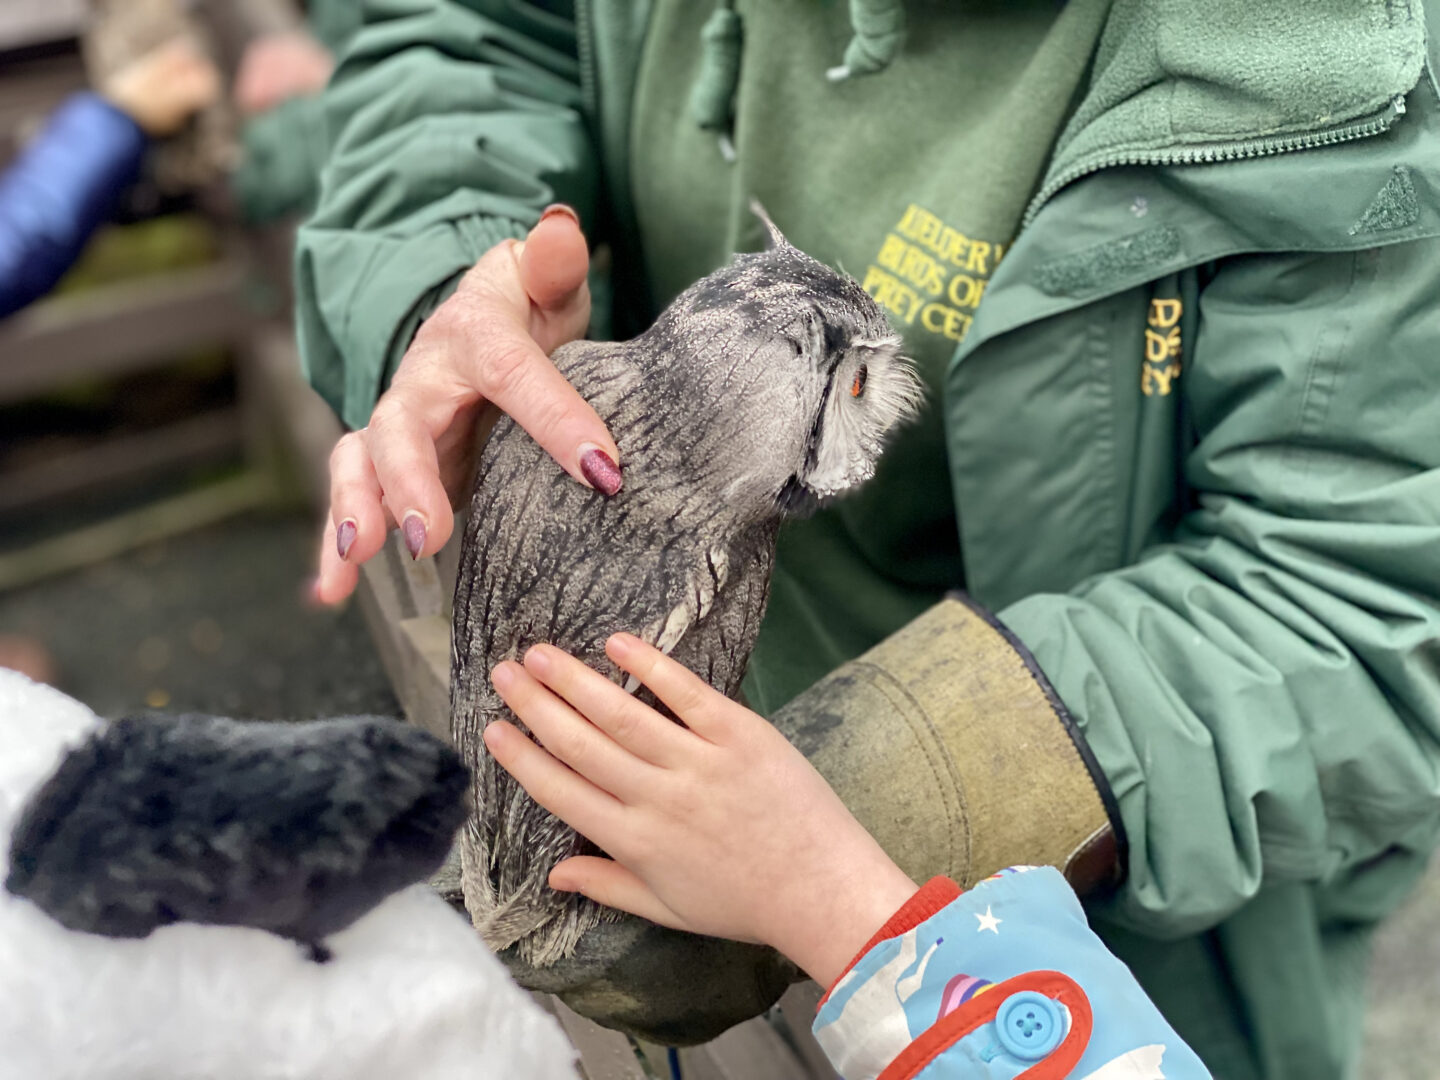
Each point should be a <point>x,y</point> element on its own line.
<point>600,469</point>
<point>414,529</point>
<point>344,537</point>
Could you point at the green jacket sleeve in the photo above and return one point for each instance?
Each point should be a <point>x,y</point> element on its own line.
<point>334,21</point>
<point>1263,693</point>
<point>284,150</point>
<point>451,126</point>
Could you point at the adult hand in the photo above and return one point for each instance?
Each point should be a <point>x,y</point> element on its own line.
<point>718,826</point>
<point>489,342</point>
<point>164,88</point>
<point>278,67</point>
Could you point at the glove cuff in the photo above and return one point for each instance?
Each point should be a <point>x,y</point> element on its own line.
<point>948,743</point>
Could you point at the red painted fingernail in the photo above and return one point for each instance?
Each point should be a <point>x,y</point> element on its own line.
<point>600,469</point>
<point>560,208</point>
<point>414,530</point>
<point>344,537</point>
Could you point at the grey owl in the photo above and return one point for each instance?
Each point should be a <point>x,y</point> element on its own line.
<point>764,389</point>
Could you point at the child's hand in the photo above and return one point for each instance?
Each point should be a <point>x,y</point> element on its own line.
<point>721,827</point>
<point>165,87</point>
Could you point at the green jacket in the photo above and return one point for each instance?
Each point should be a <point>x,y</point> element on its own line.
<point>1193,434</point>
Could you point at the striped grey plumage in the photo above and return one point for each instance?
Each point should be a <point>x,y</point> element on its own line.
<point>734,409</point>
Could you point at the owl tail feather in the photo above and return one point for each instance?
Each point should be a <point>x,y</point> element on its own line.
<point>511,920</point>
<point>540,937</point>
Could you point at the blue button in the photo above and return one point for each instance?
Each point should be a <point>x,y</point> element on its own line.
<point>1029,1025</point>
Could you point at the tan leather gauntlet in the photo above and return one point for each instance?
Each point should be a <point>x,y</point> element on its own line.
<point>948,744</point>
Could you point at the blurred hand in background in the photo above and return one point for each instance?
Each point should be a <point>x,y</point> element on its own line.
<point>164,88</point>
<point>278,67</point>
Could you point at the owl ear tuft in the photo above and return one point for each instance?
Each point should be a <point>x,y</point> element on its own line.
<point>776,238</point>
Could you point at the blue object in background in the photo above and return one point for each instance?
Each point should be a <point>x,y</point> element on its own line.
<point>64,185</point>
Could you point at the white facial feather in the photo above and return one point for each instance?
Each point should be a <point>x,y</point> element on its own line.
<point>853,427</point>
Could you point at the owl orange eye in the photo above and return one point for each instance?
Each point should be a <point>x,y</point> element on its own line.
<point>858,386</point>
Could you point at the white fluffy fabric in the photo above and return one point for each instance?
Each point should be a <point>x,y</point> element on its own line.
<point>411,994</point>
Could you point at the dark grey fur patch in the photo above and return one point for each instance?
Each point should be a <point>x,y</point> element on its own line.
<point>298,829</point>
<point>1110,261</point>
<point>1395,207</point>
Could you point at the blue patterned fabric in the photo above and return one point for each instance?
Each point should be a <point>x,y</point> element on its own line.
<point>1012,979</point>
<point>63,186</point>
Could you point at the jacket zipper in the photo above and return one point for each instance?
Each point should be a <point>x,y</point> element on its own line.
<point>1211,155</point>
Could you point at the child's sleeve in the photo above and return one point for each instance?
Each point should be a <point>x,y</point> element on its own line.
<point>1004,981</point>
<point>63,186</point>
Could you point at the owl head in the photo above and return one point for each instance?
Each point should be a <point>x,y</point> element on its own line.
<point>801,368</point>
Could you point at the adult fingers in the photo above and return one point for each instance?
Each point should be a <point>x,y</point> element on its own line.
<point>607,882</point>
<point>508,368</point>
<point>689,697</point>
<point>356,527</point>
<point>402,452</point>
<point>477,347</point>
<point>633,725</point>
<point>555,257</point>
<point>569,796</point>
<point>571,738</point>
<point>356,507</point>
<point>336,578</point>
<point>483,343</point>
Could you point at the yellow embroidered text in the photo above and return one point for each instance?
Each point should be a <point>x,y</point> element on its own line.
<point>929,273</point>
<point>1162,348</point>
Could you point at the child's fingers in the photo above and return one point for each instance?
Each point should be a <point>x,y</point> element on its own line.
<point>634,725</point>
<point>607,882</point>
<point>570,797</point>
<point>570,737</point>
<point>690,697</point>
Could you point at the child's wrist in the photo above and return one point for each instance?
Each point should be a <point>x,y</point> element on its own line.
<point>823,936</point>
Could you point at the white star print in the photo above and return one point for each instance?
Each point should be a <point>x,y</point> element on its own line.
<point>988,921</point>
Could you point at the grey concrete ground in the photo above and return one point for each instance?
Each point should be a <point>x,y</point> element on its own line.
<point>215,621</point>
<point>1402,1028</point>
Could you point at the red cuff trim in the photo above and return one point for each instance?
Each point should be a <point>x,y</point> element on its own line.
<point>981,1010</point>
<point>931,898</point>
